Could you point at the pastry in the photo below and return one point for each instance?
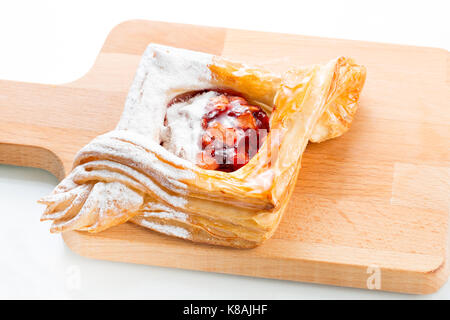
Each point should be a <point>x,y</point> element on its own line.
<point>207,149</point>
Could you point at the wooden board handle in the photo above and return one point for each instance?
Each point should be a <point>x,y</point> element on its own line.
<point>29,131</point>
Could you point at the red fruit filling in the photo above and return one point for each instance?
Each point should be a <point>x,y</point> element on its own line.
<point>233,132</point>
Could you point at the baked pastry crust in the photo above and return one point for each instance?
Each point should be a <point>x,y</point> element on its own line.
<point>126,175</point>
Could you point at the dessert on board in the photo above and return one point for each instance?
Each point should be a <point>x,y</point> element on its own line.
<point>207,149</point>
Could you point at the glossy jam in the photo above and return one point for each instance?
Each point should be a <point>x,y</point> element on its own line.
<point>233,132</point>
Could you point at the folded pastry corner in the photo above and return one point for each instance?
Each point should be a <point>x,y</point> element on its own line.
<point>207,149</point>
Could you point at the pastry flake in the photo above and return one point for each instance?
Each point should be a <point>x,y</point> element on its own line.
<point>146,171</point>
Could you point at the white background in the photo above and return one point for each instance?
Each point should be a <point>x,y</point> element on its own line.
<point>57,42</point>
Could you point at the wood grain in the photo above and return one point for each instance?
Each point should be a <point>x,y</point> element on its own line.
<point>375,199</point>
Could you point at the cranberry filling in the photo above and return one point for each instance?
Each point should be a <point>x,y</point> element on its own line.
<point>233,132</point>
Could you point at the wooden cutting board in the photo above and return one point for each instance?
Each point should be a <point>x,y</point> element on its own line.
<point>370,210</point>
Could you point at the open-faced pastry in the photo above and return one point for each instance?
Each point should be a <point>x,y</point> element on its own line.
<point>206,149</point>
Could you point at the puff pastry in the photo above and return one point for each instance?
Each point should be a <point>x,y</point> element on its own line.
<point>130,174</point>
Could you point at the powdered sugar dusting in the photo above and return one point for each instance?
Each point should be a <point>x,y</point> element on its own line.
<point>116,195</point>
<point>128,166</point>
<point>167,229</point>
<point>159,210</point>
<point>184,126</point>
<point>163,73</point>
